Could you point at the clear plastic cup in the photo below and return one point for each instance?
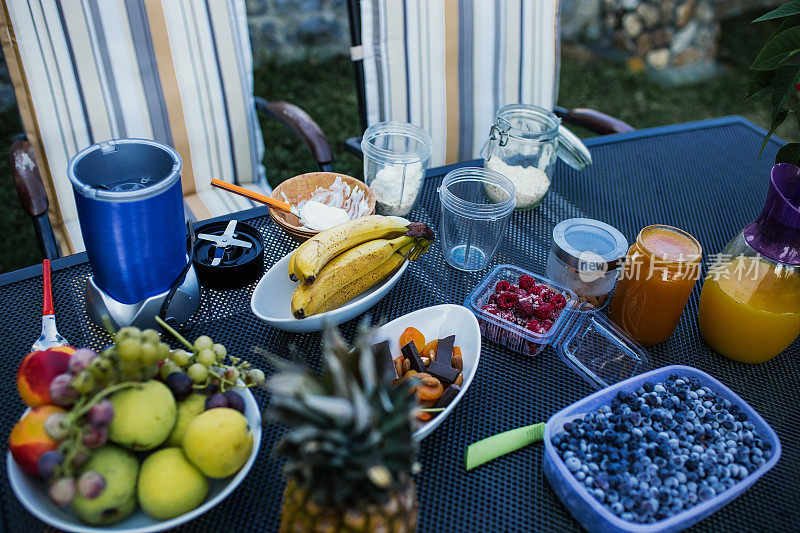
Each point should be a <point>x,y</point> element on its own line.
<point>476,204</point>
<point>396,156</point>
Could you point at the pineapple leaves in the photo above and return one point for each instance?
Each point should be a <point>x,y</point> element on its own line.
<point>786,10</point>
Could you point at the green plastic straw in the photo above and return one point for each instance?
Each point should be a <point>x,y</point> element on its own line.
<point>493,447</point>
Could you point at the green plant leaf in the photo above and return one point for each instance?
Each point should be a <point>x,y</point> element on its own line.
<point>783,84</point>
<point>786,10</point>
<point>760,85</point>
<point>776,121</point>
<point>778,49</point>
<point>788,153</point>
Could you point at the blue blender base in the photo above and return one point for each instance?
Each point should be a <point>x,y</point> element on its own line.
<point>142,314</point>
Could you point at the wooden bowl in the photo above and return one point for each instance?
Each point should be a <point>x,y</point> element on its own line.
<point>301,188</point>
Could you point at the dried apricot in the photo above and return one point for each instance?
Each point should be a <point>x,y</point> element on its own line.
<point>412,334</point>
<point>430,349</point>
<point>430,388</point>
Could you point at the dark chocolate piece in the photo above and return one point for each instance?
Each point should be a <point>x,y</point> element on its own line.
<point>442,366</point>
<point>447,396</point>
<point>383,353</point>
<point>411,353</point>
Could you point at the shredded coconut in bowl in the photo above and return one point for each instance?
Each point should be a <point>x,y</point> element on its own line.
<point>328,207</point>
<point>530,182</point>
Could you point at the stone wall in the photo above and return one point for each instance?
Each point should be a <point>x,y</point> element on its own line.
<point>296,29</point>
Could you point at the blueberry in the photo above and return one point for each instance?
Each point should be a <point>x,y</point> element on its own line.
<point>647,386</point>
<point>706,493</point>
<point>573,464</point>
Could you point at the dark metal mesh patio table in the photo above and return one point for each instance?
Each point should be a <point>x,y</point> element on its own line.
<point>704,177</point>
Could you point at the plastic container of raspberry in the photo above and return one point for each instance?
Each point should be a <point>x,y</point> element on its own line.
<point>596,517</point>
<point>585,340</point>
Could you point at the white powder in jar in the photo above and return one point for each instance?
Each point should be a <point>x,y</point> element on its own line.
<point>394,195</point>
<point>530,182</point>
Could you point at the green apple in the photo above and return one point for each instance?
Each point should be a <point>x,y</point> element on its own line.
<point>143,415</point>
<point>118,500</point>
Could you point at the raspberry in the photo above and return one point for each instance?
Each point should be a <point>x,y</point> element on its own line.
<point>544,311</point>
<point>522,293</point>
<point>546,294</point>
<point>525,308</point>
<point>491,309</point>
<point>493,298</point>
<point>533,325</point>
<point>526,282</point>
<point>537,289</point>
<point>547,324</point>
<point>507,300</point>
<point>507,315</point>
<point>502,285</point>
<point>559,301</point>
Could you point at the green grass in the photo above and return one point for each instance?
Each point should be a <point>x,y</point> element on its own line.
<point>326,90</point>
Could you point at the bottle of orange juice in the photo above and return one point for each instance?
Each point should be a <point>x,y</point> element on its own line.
<point>750,303</point>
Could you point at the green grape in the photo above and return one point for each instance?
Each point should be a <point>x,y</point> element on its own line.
<point>256,376</point>
<point>163,351</point>
<point>206,357</point>
<point>150,335</point>
<point>130,332</point>
<point>129,350</point>
<point>128,371</point>
<point>148,372</point>
<point>110,352</point>
<point>203,342</point>
<point>220,351</point>
<point>197,372</point>
<point>167,368</point>
<point>83,383</point>
<point>181,357</point>
<point>149,354</point>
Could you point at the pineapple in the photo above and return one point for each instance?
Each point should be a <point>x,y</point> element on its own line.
<point>349,447</point>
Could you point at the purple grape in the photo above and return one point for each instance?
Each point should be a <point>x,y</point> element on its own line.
<point>81,359</point>
<point>216,400</point>
<point>180,384</point>
<point>91,484</point>
<point>96,437</point>
<point>235,400</point>
<point>57,426</point>
<point>60,391</point>
<point>49,462</point>
<point>80,459</point>
<point>62,491</point>
<point>101,414</point>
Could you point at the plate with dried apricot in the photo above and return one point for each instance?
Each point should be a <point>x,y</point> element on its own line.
<point>440,346</point>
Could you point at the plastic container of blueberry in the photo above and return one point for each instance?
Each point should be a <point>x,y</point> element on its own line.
<point>595,516</point>
<point>584,339</point>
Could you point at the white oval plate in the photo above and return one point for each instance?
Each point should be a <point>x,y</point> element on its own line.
<point>32,492</point>
<point>272,298</point>
<point>438,322</point>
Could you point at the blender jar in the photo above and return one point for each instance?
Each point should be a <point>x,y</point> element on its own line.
<point>524,143</point>
<point>396,156</point>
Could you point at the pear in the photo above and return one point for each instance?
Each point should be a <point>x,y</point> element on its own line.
<point>144,416</point>
<point>169,485</point>
<point>119,468</point>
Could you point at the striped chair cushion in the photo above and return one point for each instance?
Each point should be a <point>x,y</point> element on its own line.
<point>448,65</point>
<point>179,72</point>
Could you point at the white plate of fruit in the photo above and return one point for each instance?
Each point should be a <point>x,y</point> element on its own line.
<point>339,273</point>
<point>130,439</point>
<point>432,328</point>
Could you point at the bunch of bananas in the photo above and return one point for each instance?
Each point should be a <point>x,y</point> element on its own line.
<point>338,264</point>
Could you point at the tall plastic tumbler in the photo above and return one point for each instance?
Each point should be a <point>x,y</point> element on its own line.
<point>476,205</point>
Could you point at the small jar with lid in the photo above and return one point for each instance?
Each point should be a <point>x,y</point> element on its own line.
<point>587,255</point>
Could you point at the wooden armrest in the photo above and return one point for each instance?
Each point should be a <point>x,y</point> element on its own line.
<point>302,126</point>
<point>27,179</point>
<point>594,120</point>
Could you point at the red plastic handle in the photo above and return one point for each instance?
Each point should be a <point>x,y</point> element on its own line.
<point>47,291</point>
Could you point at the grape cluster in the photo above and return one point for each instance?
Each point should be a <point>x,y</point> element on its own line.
<point>204,367</point>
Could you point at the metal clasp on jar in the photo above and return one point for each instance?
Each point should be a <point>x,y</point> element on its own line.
<point>498,136</point>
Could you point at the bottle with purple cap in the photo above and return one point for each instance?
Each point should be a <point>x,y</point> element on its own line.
<point>750,303</point>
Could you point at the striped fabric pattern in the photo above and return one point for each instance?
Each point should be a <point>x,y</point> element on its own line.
<point>449,65</point>
<point>176,71</point>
